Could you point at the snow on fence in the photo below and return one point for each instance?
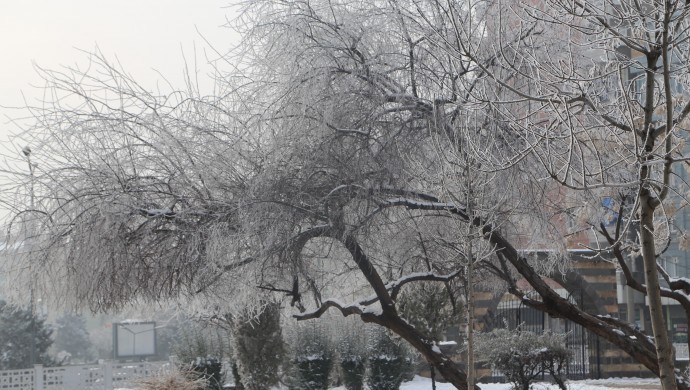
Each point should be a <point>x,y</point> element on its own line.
<point>681,351</point>
<point>105,376</point>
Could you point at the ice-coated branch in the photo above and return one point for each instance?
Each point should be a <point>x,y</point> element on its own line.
<point>345,309</point>
<point>414,204</point>
<point>396,285</point>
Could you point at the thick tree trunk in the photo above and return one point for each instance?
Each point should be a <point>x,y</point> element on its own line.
<point>389,317</point>
<point>442,363</point>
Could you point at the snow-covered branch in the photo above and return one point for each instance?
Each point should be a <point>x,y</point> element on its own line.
<point>345,309</point>
<point>395,286</point>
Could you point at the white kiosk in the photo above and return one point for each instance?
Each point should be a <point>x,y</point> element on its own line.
<point>134,339</point>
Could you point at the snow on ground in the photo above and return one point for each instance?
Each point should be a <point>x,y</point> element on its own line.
<point>420,383</point>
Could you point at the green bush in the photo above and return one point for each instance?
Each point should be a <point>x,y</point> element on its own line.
<point>314,371</point>
<point>388,363</point>
<point>353,372</point>
<point>352,350</point>
<point>523,356</point>
<point>313,357</point>
<point>258,346</point>
<point>429,308</point>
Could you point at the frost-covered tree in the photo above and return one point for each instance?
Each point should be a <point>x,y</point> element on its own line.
<point>598,95</point>
<point>353,148</point>
<point>22,331</point>
<point>72,337</point>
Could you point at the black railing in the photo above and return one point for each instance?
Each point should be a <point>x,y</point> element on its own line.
<point>585,362</point>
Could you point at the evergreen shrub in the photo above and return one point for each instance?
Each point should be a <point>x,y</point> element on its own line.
<point>313,357</point>
<point>388,363</point>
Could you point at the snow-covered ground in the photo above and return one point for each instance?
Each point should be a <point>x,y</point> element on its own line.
<point>420,383</point>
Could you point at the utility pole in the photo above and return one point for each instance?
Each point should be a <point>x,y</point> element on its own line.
<point>32,331</point>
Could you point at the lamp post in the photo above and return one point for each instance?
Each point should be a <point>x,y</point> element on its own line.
<point>32,352</point>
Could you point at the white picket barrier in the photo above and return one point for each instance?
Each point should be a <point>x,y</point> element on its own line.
<point>105,376</point>
<point>17,379</point>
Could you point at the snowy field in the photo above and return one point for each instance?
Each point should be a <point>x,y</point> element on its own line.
<point>420,383</point>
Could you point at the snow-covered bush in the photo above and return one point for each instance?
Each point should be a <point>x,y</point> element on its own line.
<point>523,356</point>
<point>177,379</point>
<point>258,347</point>
<point>389,362</point>
<point>352,352</point>
<point>313,357</point>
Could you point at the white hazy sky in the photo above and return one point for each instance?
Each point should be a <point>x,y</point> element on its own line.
<point>145,35</point>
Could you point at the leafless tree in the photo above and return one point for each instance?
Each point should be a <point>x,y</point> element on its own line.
<point>597,93</point>
<point>353,149</point>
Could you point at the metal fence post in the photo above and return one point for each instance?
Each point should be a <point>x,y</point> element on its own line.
<point>108,374</point>
<point>38,377</point>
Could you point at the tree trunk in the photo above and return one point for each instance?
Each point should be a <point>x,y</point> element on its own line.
<point>663,346</point>
<point>432,373</point>
<point>441,363</point>
<point>470,325</point>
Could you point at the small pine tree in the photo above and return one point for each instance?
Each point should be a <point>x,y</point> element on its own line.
<point>388,363</point>
<point>17,329</point>
<point>258,347</point>
<point>72,337</point>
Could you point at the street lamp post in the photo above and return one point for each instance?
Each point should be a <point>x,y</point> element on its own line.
<point>32,352</point>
